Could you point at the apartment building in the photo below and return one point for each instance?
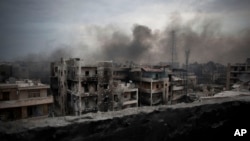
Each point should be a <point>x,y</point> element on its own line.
<point>125,95</point>
<point>236,71</point>
<point>153,84</point>
<point>79,87</point>
<point>24,99</point>
<point>74,85</point>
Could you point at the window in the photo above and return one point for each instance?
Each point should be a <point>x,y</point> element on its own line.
<point>105,86</point>
<point>115,98</point>
<point>86,73</point>
<point>105,72</point>
<point>56,69</point>
<point>4,96</point>
<point>125,95</point>
<point>86,88</point>
<point>34,93</point>
<point>157,86</point>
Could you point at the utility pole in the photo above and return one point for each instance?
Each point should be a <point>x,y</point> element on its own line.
<point>79,88</point>
<point>173,47</point>
<point>187,52</point>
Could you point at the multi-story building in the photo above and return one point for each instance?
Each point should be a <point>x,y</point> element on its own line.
<point>177,85</point>
<point>24,99</point>
<point>153,84</point>
<point>74,85</point>
<point>125,95</point>
<point>79,87</point>
<point>235,71</point>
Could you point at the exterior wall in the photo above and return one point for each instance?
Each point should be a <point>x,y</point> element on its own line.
<point>13,95</point>
<point>23,94</point>
<point>43,92</point>
<point>24,112</point>
<point>234,71</point>
<point>24,102</point>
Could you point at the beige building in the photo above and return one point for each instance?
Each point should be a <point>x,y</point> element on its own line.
<point>24,99</point>
<point>125,95</point>
<point>79,87</point>
<point>235,71</point>
<point>153,84</point>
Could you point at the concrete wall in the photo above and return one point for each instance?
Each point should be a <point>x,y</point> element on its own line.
<point>91,71</point>
<point>23,94</point>
<point>13,94</point>
<point>43,92</point>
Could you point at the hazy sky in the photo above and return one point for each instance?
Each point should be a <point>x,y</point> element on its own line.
<point>80,27</point>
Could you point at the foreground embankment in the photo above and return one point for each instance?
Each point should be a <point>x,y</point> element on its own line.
<point>197,121</point>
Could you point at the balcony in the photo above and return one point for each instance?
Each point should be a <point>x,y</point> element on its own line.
<point>147,79</point>
<point>26,102</point>
<point>145,90</point>
<point>129,102</point>
<point>177,88</point>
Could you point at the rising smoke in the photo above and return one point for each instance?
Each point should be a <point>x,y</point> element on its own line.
<point>202,36</point>
<point>145,45</point>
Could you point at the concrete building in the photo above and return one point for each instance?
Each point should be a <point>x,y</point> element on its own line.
<point>24,99</point>
<point>235,71</point>
<point>177,88</point>
<point>79,87</point>
<point>125,95</point>
<point>74,86</point>
<point>153,84</point>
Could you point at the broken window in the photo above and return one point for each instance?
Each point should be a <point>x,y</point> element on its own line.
<point>115,98</point>
<point>86,88</point>
<point>96,87</point>
<point>105,86</point>
<point>56,69</point>
<point>125,95</point>
<point>86,73</point>
<point>105,72</point>
<point>157,76</point>
<point>4,96</point>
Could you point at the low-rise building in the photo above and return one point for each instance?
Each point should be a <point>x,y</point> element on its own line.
<point>24,99</point>
<point>153,84</point>
<point>235,71</point>
<point>125,95</point>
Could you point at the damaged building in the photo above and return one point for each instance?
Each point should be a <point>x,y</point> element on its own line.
<point>125,95</point>
<point>79,87</point>
<point>24,99</point>
<point>153,84</point>
<point>236,71</point>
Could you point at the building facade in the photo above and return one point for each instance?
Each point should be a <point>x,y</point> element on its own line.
<point>153,84</point>
<point>235,71</point>
<point>79,87</point>
<point>24,99</point>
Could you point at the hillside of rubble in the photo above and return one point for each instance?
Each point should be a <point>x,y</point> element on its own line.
<point>201,120</point>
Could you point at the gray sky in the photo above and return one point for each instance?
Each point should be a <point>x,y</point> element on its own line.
<point>83,27</point>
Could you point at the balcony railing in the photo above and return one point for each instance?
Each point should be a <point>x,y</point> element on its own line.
<point>26,102</point>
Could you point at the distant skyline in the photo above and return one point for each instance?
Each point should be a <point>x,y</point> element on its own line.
<point>217,30</point>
